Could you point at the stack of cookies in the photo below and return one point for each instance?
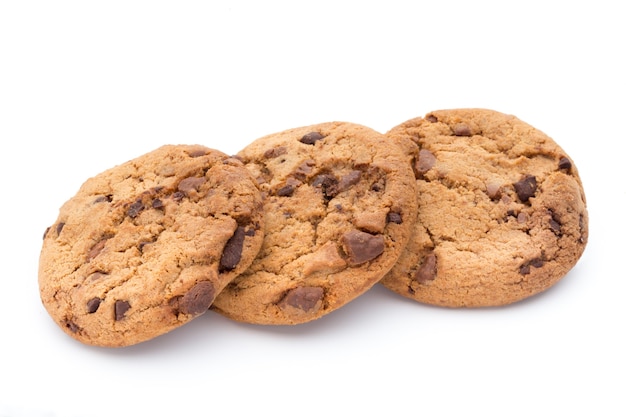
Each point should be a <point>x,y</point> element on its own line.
<point>460,208</point>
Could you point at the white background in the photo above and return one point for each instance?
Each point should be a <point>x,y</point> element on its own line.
<point>88,85</point>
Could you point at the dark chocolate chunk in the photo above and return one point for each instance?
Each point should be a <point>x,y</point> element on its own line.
<point>46,232</point>
<point>303,298</point>
<point>427,270</point>
<point>197,153</point>
<point>97,248</point>
<point>425,161</point>
<point>93,304</point>
<point>311,138</point>
<point>71,326</point>
<point>554,223</point>
<point>178,196</point>
<point>461,129</point>
<point>198,298</point>
<point>565,163</point>
<point>232,250</point>
<point>380,181</point>
<point>60,227</point>
<point>135,209</point>
<point>304,169</point>
<point>157,203</point>
<point>97,275</point>
<point>328,184</point>
<point>104,199</point>
<point>537,262</point>
<point>121,307</point>
<point>432,118</point>
<point>526,187</point>
<point>286,191</point>
<point>190,184</point>
<point>525,267</point>
<point>348,180</point>
<point>274,152</point>
<point>393,217</point>
<point>362,247</point>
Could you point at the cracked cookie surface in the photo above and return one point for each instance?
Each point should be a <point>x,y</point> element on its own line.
<point>340,204</point>
<point>502,211</point>
<point>145,247</point>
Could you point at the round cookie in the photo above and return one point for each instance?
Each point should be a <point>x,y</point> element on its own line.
<point>502,212</point>
<point>144,247</point>
<point>340,204</point>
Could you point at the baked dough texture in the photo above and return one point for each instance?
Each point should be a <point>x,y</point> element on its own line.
<point>502,211</point>
<point>145,246</point>
<point>340,204</point>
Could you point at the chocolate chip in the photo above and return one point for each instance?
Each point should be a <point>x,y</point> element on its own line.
<point>285,191</point>
<point>525,267</point>
<point>432,118</point>
<point>93,304</point>
<point>97,248</point>
<point>304,169</point>
<point>380,184</point>
<point>537,262</point>
<point>428,269</point>
<point>461,129</point>
<point>46,232</point>
<point>311,138</point>
<point>526,188</point>
<point>121,307</point>
<point>71,326</point>
<point>178,196</point>
<point>97,275</point>
<point>190,184</point>
<point>250,232</point>
<point>198,298</point>
<point>232,250</point>
<point>328,184</point>
<point>348,180</point>
<point>135,209</point>
<point>554,223</point>
<point>303,298</point>
<point>393,217</point>
<point>274,152</point>
<point>157,203</point>
<point>425,161</point>
<point>288,187</point>
<point>104,199</point>
<point>565,163</point>
<point>362,247</point>
<point>60,227</point>
<point>197,153</point>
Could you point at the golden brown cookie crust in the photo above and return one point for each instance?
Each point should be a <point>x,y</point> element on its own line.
<point>340,204</point>
<point>144,247</point>
<point>502,211</point>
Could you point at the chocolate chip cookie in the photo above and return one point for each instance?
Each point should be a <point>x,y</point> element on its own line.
<point>340,205</point>
<point>502,211</point>
<point>145,247</point>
